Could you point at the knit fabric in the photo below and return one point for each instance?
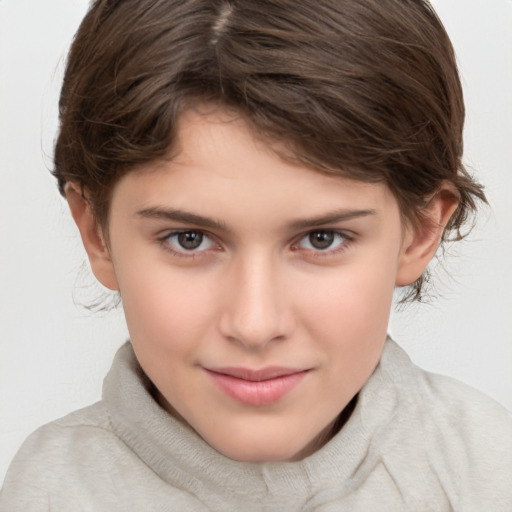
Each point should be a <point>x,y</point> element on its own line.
<point>415,442</point>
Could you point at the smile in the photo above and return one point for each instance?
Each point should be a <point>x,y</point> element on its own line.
<point>261,387</point>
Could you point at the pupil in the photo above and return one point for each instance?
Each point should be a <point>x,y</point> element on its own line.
<point>190,239</point>
<point>321,239</point>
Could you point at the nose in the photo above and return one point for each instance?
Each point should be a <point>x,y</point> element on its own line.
<point>255,310</point>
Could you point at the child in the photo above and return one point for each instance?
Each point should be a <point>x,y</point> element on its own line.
<point>255,179</point>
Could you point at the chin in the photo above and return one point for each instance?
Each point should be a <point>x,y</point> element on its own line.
<point>268,450</point>
<point>265,454</point>
<point>264,441</point>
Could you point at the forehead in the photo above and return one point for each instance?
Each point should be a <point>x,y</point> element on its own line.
<point>220,166</point>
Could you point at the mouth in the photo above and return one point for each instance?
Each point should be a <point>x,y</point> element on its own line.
<point>256,387</point>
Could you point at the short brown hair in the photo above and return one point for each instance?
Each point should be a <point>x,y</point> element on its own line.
<point>366,89</point>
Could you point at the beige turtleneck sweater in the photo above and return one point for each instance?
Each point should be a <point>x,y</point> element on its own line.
<point>415,442</point>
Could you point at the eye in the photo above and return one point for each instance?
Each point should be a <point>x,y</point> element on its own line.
<point>183,242</point>
<point>322,239</point>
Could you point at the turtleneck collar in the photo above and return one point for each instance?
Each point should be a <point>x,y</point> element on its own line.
<point>184,460</point>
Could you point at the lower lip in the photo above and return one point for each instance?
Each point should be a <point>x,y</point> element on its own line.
<point>263,392</point>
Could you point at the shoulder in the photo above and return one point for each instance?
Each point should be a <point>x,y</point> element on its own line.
<point>475,423</point>
<point>469,415</point>
<point>464,436</point>
<point>475,434</point>
<point>67,436</point>
<point>445,400</point>
<point>59,454</point>
<point>464,406</point>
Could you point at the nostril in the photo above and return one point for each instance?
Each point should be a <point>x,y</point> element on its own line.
<point>256,308</point>
<point>254,328</point>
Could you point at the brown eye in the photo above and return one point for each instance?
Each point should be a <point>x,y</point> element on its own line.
<point>324,241</point>
<point>190,244</point>
<point>321,239</point>
<point>190,240</point>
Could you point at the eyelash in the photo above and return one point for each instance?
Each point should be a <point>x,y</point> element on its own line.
<point>184,253</point>
<point>342,246</point>
<point>345,244</point>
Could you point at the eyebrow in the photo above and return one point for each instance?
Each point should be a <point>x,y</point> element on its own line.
<point>211,223</point>
<point>332,218</point>
<point>182,216</point>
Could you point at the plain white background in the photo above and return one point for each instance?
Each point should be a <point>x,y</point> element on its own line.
<point>54,354</point>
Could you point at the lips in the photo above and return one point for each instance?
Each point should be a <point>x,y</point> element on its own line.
<point>256,387</point>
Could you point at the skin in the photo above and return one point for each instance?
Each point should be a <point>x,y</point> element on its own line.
<point>256,292</point>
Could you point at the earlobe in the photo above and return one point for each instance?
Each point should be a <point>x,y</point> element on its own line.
<point>422,241</point>
<point>92,237</point>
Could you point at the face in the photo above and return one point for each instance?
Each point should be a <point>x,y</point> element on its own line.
<point>257,292</point>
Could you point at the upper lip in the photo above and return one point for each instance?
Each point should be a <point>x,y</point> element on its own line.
<point>270,372</point>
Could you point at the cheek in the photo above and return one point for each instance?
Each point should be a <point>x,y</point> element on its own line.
<point>369,301</point>
<point>347,316</point>
<point>352,301</point>
<point>166,311</point>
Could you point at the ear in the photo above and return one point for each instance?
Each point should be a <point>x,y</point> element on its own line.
<point>92,236</point>
<point>421,241</point>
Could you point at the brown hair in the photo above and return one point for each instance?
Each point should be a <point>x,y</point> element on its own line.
<point>367,89</point>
